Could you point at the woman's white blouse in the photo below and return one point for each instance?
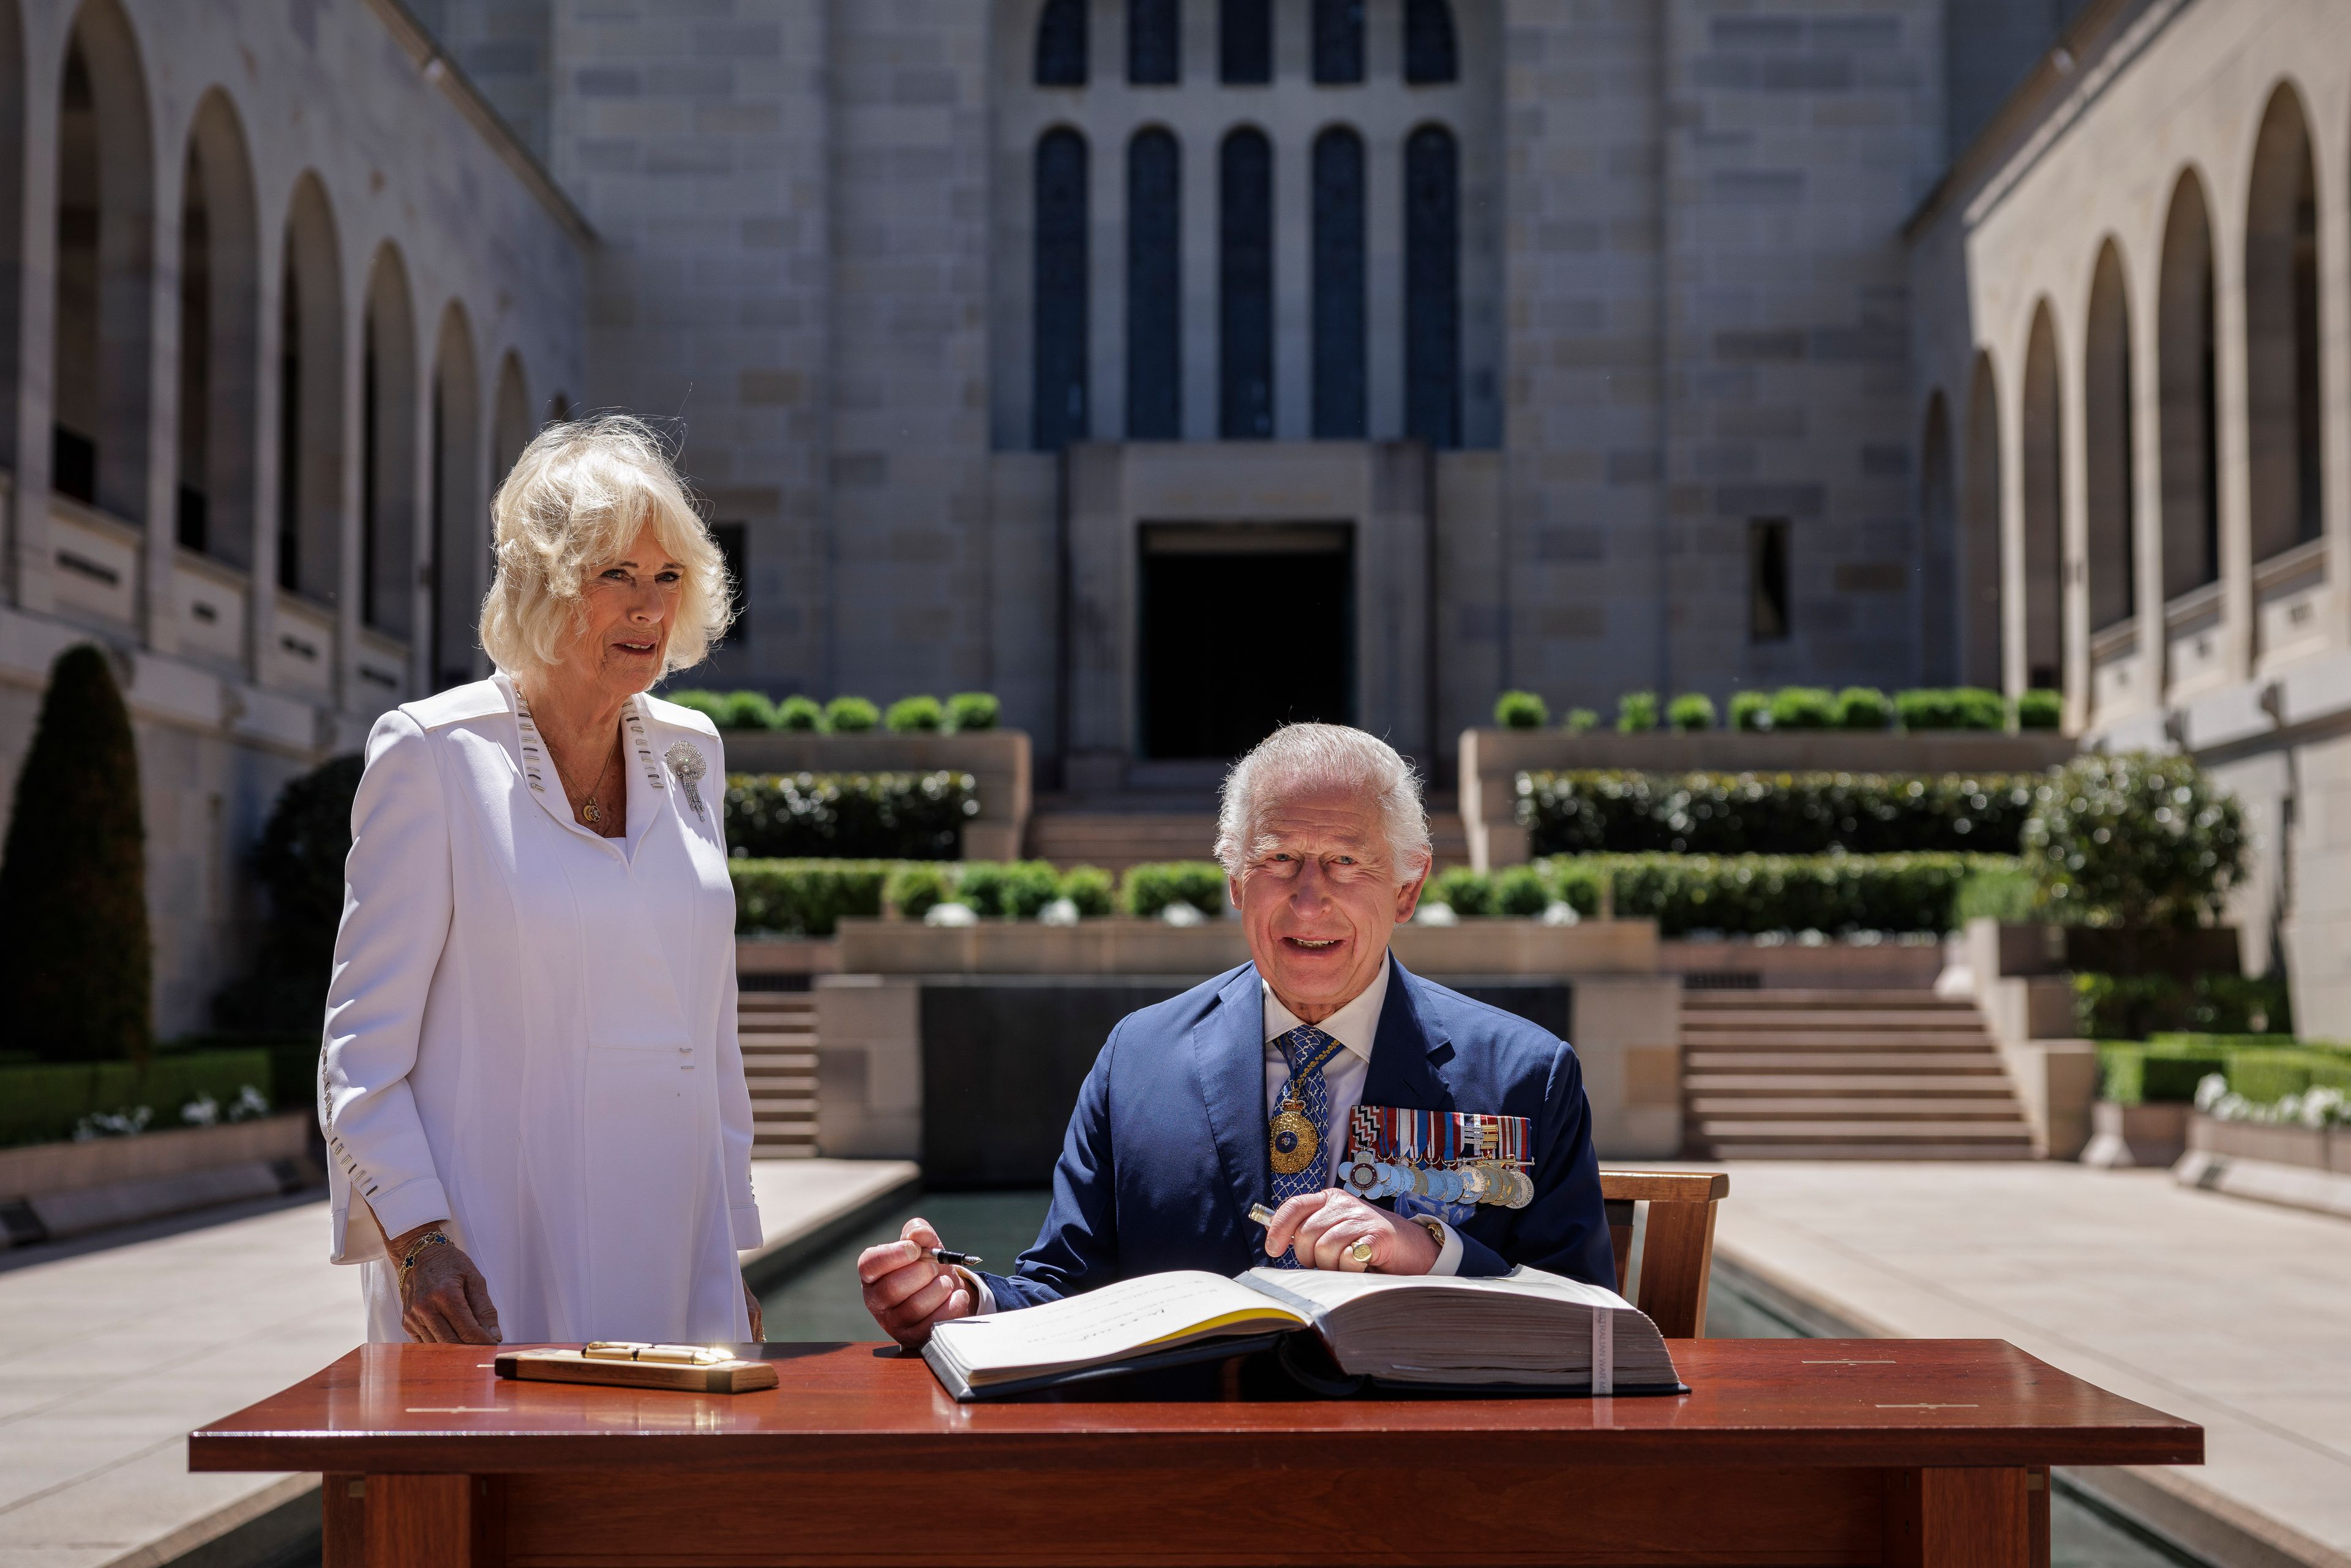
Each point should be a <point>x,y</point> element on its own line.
<point>531,1033</point>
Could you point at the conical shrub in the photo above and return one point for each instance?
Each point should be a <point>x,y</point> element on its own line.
<point>77,966</point>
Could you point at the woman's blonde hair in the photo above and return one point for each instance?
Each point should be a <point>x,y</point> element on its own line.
<point>574,500</point>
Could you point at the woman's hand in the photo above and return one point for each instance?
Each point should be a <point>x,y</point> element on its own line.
<point>444,1300</point>
<point>759,1323</point>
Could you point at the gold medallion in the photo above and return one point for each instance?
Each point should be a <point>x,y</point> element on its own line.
<point>1295,1145</point>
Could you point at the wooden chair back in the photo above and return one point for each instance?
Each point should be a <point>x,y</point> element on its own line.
<point>1677,1248</point>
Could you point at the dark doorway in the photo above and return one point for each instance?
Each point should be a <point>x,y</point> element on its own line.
<point>1244,627</point>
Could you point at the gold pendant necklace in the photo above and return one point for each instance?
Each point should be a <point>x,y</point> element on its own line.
<point>592,814</point>
<point>1294,1141</point>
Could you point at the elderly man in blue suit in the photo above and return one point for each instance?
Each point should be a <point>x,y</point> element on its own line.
<point>1240,1090</point>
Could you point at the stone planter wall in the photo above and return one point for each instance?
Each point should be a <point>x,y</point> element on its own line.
<point>997,760</point>
<point>2312,1148</point>
<point>2141,1135</point>
<point>1492,759</point>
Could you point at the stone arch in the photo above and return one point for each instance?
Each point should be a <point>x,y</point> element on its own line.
<point>1155,285</point>
<point>458,538</point>
<point>220,336</point>
<point>105,265</point>
<point>2283,412</point>
<point>388,401</point>
<point>2188,377</point>
<point>12,222</point>
<point>1342,299</point>
<point>1979,609</point>
<point>2042,456</point>
<point>510,429</point>
<point>1939,541</point>
<point>1058,344</point>
<point>1245,285</point>
<point>311,398</point>
<point>2108,442</point>
<point>1432,286</point>
<point>1061,58</point>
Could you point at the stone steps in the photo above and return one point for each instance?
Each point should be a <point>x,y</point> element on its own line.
<point>778,1031</point>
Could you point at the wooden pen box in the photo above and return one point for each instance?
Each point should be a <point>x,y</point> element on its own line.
<point>570,1367</point>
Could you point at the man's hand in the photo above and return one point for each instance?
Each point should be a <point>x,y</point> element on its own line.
<point>758,1323</point>
<point>908,1293</point>
<point>444,1300</point>
<point>1324,1226</point>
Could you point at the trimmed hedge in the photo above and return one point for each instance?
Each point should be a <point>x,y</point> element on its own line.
<point>42,1104</point>
<point>857,816</point>
<point>2165,1070</point>
<point>810,897</point>
<point>2145,1007</point>
<point>1520,710</point>
<point>804,897</point>
<point>1148,889</point>
<point>1589,811</point>
<point>1747,894</point>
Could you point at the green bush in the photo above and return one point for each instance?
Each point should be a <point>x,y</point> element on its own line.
<point>1636,713</point>
<point>1520,893</point>
<point>2135,839</point>
<point>799,713</point>
<point>851,715</point>
<point>2203,1010</point>
<point>2131,1074</point>
<point>862,816</point>
<point>1750,711</point>
<point>1147,889</point>
<point>44,1103</point>
<point>981,887</point>
<point>1959,707</point>
<point>1520,710</point>
<point>744,710</point>
<point>1092,889</point>
<point>76,961</point>
<point>971,711</point>
<point>1029,887</point>
<point>1691,710</point>
<point>708,703</point>
<point>805,897</point>
<point>1863,708</point>
<point>914,890</point>
<point>1750,893</point>
<point>1803,708</point>
<point>2007,895</point>
<point>915,716</point>
<point>1464,891</point>
<point>2264,1075</point>
<point>1607,811</point>
<point>1580,721</point>
<point>2040,710</point>
<point>300,860</point>
<point>1576,882</point>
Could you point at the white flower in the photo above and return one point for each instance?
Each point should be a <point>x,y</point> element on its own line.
<point>951,915</point>
<point>2210,1089</point>
<point>1180,914</point>
<point>1432,913</point>
<point>1060,912</point>
<point>1559,912</point>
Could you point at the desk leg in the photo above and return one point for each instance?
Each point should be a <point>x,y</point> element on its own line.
<point>414,1522</point>
<point>1964,1518</point>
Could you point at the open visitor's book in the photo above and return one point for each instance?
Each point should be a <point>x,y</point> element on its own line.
<point>1524,1332</point>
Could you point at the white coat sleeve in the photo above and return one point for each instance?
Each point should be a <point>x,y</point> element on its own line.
<point>734,1091</point>
<point>396,916</point>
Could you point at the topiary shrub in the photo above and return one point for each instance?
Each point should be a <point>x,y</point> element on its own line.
<point>709,705</point>
<point>1520,710</point>
<point>1754,893</point>
<point>1636,713</point>
<point>76,961</point>
<point>1691,710</point>
<point>805,898</point>
<point>1580,721</point>
<point>969,711</point>
<point>2008,896</point>
<point>1149,888</point>
<point>2040,710</point>
<point>1464,891</point>
<point>1520,893</point>
<point>1980,709</point>
<point>2133,840</point>
<point>1092,889</point>
<point>744,710</point>
<point>913,890</point>
<point>980,885</point>
<point>1959,707</point>
<point>299,860</point>
<point>1029,887</point>
<point>1750,711</point>
<point>851,715</point>
<point>802,714</point>
<point>915,716</point>
<point>875,816</point>
<point>1588,811</point>
<point>1863,708</point>
<point>1803,708</point>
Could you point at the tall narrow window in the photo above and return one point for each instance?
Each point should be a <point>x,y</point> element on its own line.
<point>1338,42</point>
<point>734,542</point>
<point>1428,52</point>
<point>1339,308</point>
<point>1061,44</point>
<point>1059,412</point>
<point>75,393</point>
<point>2308,432</point>
<point>1245,288</point>
<point>195,360</point>
<point>371,456</point>
<point>1155,336</point>
<point>289,429</point>
<point>1155,42</point>
<point>1245,42</point>
<point>1767,580</point>
<point>1431,287</point>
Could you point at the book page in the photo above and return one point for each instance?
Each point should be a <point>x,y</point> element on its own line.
<point>1327,1288</point>
<point>1114,1321</point>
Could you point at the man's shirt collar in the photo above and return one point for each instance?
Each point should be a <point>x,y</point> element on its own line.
<point>1354,1026</point>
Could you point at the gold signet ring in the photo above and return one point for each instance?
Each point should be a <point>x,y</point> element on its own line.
<point>1360,1251</point>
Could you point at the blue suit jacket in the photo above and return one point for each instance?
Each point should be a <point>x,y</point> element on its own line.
<point>1166,1149</point>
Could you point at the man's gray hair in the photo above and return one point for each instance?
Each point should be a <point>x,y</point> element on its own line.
<point>1318,759</point>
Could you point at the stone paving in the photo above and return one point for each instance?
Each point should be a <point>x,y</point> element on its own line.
<point>110,1355</point>
<point>2228,1312</point>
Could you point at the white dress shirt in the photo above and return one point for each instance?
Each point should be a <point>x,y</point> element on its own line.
<point>1355,1026</point>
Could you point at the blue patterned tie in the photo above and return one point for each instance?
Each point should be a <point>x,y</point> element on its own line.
<point>1306,1048</point>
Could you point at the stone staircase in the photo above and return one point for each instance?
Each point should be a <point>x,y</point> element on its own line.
<point>1845,1074</point>
<point>778,1034</point>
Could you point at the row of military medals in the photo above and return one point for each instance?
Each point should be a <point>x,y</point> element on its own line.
<point>1444,1157</point>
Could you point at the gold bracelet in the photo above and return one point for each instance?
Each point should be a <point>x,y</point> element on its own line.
<point>409,1262</point>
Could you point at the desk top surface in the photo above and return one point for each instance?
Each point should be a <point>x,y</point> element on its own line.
<point>433,1407</point>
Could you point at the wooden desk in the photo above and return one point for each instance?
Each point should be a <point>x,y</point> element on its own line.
<point>1912,1454</point>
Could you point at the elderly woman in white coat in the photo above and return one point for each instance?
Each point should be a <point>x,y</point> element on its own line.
<point>531,1087</point>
